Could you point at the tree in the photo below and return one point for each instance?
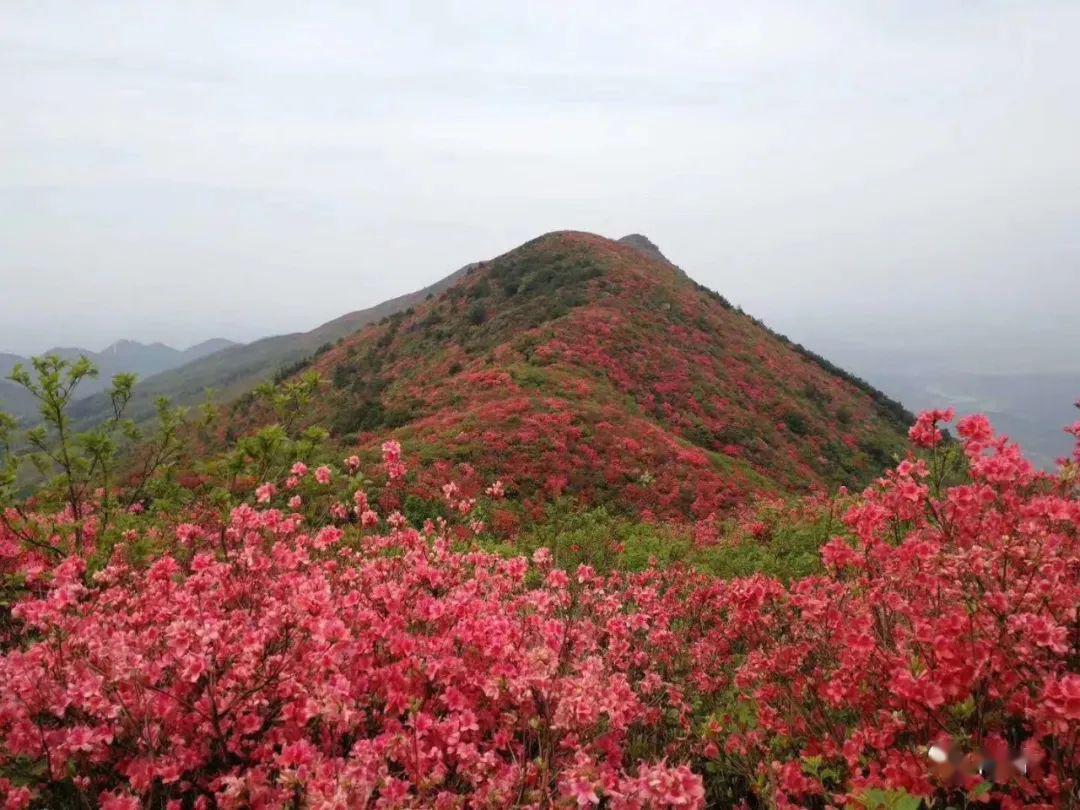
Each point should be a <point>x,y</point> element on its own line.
<point>80,466</point>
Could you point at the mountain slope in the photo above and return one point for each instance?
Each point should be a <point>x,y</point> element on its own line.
<point>239,368</point>
<point>578,365</point>
<point>204,349</point>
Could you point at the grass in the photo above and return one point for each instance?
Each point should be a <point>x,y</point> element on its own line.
<point>609,542</point>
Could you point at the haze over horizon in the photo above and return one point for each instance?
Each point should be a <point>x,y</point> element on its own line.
<point>889,178</point>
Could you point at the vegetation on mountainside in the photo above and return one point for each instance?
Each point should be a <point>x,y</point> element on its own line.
<point>280,626</point>
<point>575,365</point>
<point>237,369</point>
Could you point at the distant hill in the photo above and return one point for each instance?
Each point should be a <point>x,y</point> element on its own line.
<point>238,368</point>
<point>579,365</point>
<point>1031,408</point>
<point>1028,394</point>
<point>123,356</point>
<point>13,398</point>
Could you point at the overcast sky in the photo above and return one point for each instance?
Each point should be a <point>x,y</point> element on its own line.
<point>863,172</point>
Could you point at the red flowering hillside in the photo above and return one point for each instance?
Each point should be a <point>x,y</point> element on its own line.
<point>289,645</point>
<point>579,365</point>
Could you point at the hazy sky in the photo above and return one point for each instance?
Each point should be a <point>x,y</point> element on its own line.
<point>863,171</point>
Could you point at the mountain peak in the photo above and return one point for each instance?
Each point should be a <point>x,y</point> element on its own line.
<point>580,365</point>
<point>645,246</point>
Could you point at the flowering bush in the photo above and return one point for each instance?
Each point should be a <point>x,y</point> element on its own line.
<point>260,662</point>
<point>298,666</point>
<point>323,652</point>
<point>949,616</point>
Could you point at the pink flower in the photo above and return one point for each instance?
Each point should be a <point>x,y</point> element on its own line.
<point>838,554</point>
<point>188,533</point>
<point>391,453</point>
<point>663,786</point>
<point>1062,698</point>
<point>327,536</point>
<point>975,428</point>
<point>15,798</point>
<point>582,791</point>
<point>925,432</point>
<point>795,783</point>
<point>323,475</point>
<point>557,579</point>
<point>265,492</point>
<point>114,801</point>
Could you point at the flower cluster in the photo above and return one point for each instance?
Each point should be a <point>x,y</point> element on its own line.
<point>268,661</point>
<point>948,618</point>
<point>273,659</point>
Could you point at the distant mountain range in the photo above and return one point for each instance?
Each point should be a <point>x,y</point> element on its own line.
<point>124,356</point>
<point>1028,398</point>
<point>1033,408</point>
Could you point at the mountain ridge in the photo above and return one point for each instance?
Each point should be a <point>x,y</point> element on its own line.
<point>237,369</point>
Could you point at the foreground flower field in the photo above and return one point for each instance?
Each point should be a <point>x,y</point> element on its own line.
<point>292,640</point>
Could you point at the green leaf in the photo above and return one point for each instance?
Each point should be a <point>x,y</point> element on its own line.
<point>877,799</point>
<point>980,790</point>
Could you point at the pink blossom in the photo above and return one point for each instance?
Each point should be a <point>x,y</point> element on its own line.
<point>925,432</point>
<point>391,453</point>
